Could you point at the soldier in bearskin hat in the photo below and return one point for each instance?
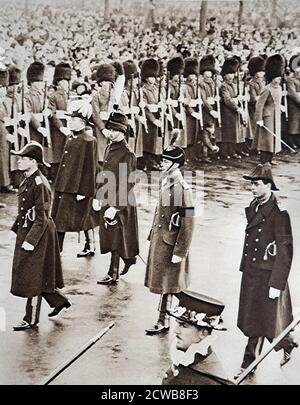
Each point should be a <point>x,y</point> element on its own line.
<point>293,89</point>
<point>152,140</point>
<point>231,112</point>
<point>269,109</point>
<point>210,115</point>
<point>265,308</point>
<point>256,68</point>
<point>193,360</point>
<point>58,122</point>
<point>37,268</point>
<point>4,146</point>
<point>118,215</point>
<point>167,269</point>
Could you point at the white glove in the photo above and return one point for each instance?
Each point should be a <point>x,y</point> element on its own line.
<point>105,132</point>
<point>195,115</point>
<point>157,123</point>
<point>240,111</point>
<point>110,213</point>
<point>11,235</point>
<point>80,197</point>
<point>141,119</point>
<point>260,123</point>
<point>66,131</point>
<point>42,131</point>
<point>27,246</point>
<point>178,116</point>
<point>96,205</point>
<point>282,108</point>
<point>214,114</point>
<point>274,293</point>
<point>176,259</point>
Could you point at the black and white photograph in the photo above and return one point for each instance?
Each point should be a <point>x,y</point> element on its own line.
<point>149,195</point>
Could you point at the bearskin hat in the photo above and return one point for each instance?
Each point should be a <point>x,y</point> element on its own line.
<point>4,77</point>
<point>207,63</point>
<point>175,66</point>
<point>130,69</point>
<point>191,67</point>
<point>230,65</point>
<point>275,66</point>
<point>14,75</point>
<point>106,73</point>
<point>119,68</point>
<point>62,71</point>
<point>35,72</point>
<point>256,64</point>
<point>294,62</point>
<point>149,68</point>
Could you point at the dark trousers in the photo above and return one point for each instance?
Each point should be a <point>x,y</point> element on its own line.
<point>266,157</point>
<point>61,238</point>
<point>114,267</point>
<point>255,345</point>
<point>33,305</point>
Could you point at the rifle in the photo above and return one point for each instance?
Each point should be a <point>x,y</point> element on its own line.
<point>180,103</point>
<point>246,99</point>
<point>12,124</point>
<point>240,99</point>
<point>160,112</point>
<point>142,106</point>
<point>199,103</point>
<point>284,94</point>
<point>131,113</point>
<point>46,114</point>
<point>217,99</point>
<point>169,115</point>
<point>24,117</point>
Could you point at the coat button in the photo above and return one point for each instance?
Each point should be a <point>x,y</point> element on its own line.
<point>162,216</point>
<point>159,226</point>
<point>63,165</point>
<point>66,151</point>
<point>18,223</point>
<point>255,250</point>
<point>246,255</point>
<point>22,208</point>
<point>23,199</point>
<point>264,220</point>
<point>247,244</point>
<point>59,196</point>
<point>259,230</point>
<point>254,259</point>
<point>256,240</point>
<point>26,189</point>
<point>247,234</point>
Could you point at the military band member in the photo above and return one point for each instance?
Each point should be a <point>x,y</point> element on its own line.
<point>256,67</point>
<point>293,89</point>
<point>58,122</point>
<point>167,269</point>
<point>265,308</point>
<point>75,185</point>
<point>268,110</point>
<point>193,360</point>
<point>118,215</point>
<point>231,111</point>
<point>37,268</point>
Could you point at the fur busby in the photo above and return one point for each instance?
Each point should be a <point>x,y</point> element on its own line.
<point>106,73</point>
<point>175,66</point>
<point>191,67</point>
<point>4,77</point>
<point>230,65</point>
<point>119,68</point>
<point>275,65</point>
<point>35,72</point>
<point>256,64</point>
<point>130,69</point>
<point>14,75</point>
<point>294,62</point>
<point>149,68</point>
<point>62,71</point>
<point>207,63</point>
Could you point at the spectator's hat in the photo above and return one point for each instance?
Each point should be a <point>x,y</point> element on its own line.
<point>4,78</point>
<point>294,62</point>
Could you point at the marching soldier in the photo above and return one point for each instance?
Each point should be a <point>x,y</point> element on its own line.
<point>75,184</point>
<point>4,146</point>
<point>293,89</point>
<point>175,67</point>
<point>210,114</point>
<point>256,67</point>
<point>167,269</point>
<point>37,268</point>
<point>152,140</point>
<point>118,215</point>
<point>58,122</point>
<point>231,112</point>
<point>265,308</point>
<point>193,360</point>
<point>269,109</point>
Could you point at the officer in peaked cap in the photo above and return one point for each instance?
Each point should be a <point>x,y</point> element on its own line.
<point>194,361</point>
<point>167,269</point>
<point>265,308</point>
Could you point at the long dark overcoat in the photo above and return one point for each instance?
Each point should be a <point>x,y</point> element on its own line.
<point>38,271</point>
<point>266,262</point>
<point>293,89</point>
<point>171,234</point>
<point>118,175</point>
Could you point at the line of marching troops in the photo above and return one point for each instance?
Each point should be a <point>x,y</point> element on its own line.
<point>209,108</point>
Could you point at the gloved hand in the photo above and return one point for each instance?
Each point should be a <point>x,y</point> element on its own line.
<point>178,116</point>
<point>96,205</point>
<point>66,131</point>
<point>176,259</point>
<point>196,115</point>
<point>274,293</point>
<point>214,114</point>
<point>11,235</point>
<point>80,197</point>
<point>27,246</point>
<point>157,123</point>
<point>110,213</point>
<point>260,123</point>
<point>105,132</point>
<point>42,131</point>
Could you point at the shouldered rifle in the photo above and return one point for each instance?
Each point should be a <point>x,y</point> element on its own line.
<point>161,109</point>
<point>180,103</point>
<point>142,106</point>
<point>240,99</point>
<point>217,99</point>
<point>284,94</point>
<point>46,112</point>
<point>199,102</point>
<point>169,114</point>
<point>11,124</point>
<point>131,113</point>
<point>246,98</point>
<point>24,117</point>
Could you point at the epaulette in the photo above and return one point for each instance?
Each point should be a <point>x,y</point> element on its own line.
<point>184,184</point>
<point>38,180</point>
<point>280,206</point>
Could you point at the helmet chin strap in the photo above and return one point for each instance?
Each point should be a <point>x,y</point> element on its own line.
<point>169,169</point>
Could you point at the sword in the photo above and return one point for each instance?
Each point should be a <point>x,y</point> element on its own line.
<point>81,351</point>
<point>284,143</point>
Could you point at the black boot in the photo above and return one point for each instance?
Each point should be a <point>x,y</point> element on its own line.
<point>86,252</point>
<point>128,264</point>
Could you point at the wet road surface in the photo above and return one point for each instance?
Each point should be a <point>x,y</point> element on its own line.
<point>126,355</point>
